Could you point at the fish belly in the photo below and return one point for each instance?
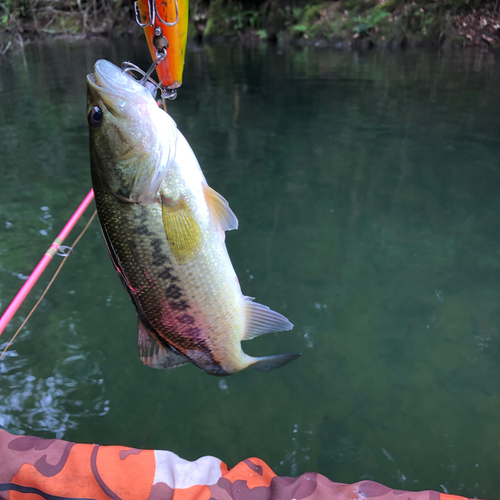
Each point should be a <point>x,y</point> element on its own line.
<point>196,307</point>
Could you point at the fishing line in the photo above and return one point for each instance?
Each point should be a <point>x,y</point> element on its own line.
<point>50,283</point>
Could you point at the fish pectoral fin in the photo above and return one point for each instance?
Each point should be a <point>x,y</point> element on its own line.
<point>220,213</point>
<point>261,320</point>
<point>272,362</point>
<point>123,199</point>
<point>123,195</point>
<point>153,354</point>
<point>182,231</point>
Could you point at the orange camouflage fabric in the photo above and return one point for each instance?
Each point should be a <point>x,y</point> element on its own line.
<point>32,468</point>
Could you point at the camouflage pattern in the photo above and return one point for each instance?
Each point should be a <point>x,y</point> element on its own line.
<point>32,468</point>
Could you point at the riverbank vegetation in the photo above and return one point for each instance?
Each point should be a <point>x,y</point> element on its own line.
<point>66,17</point>
<point>361,22</point>
<point>343,23</point>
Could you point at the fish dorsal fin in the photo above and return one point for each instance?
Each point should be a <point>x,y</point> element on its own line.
<point>220,213</point>
<point>153,354</point>
<point>182,230</point>
<point>261,319</point>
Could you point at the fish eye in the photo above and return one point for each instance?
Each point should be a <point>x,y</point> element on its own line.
<point>95,116</point>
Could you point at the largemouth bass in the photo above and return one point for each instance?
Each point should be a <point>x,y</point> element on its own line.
<point>164,228</point>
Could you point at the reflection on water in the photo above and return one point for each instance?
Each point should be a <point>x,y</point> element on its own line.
<point>49,398</point>
<point>366,190</point>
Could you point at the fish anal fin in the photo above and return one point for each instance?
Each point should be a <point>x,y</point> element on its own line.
<point>261,320</point>
<point>272,362</point>
<point>182,231</point>
<point>153,354</point>
<point>220,213</point>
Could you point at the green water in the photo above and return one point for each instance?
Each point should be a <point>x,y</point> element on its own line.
<point>366,186</point>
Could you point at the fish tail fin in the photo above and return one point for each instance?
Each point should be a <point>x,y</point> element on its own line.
<point>268,363</point>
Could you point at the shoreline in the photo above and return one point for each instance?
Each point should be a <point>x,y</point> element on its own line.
<point>389,24</point>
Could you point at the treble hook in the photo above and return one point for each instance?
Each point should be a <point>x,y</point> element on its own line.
<point>160,56</point>
<point>146,80</point>
<point>152,13</point>
<point>138,15</point>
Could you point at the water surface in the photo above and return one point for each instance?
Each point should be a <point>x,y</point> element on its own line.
<point>366,186</point>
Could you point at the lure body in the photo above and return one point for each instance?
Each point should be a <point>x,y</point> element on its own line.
<point>165,24</point>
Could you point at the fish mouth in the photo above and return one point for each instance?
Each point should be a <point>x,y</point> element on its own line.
<point>110,82</point>
<point>93,84</point>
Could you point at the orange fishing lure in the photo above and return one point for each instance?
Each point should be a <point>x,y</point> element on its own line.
<point>165,24</point>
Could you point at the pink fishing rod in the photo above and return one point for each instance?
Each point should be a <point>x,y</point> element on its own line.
<point>21,295</point>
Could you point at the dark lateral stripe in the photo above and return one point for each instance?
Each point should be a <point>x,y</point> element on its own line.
<point>35,491</point>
